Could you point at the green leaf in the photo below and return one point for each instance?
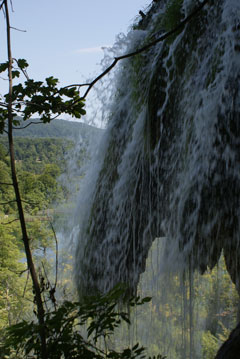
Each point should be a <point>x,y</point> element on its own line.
<point>15,74</point>
<point>4,66</point>
<point>16,122</point>
<point>22,63</point>
<point>146,299</point>
<point>51,81</point>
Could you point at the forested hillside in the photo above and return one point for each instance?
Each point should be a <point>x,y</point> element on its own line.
<point>32,154</point>
<point>57,128</point>
<point>40,160</point>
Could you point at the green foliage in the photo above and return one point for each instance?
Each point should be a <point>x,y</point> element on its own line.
<point>210,345</point>
<point>173,14</point>
<point>39,163</point>
<point>32,154</point>
<point>74,330</point>
<point>13,298</point>
<point>42,98</point>
<point>56,129</point>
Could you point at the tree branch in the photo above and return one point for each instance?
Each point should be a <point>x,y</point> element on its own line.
<point>6,223</point>
<point>14,28</point>
<point>31,123</point>
<point>25,238</point>
<point>2,4</point>
<point>76,85</point>
<point>6,184</point>
<point>25,287</point>
<point>142,49</point>
<point>8,202</point>
<point>56,261</point>
<point>31,203</point>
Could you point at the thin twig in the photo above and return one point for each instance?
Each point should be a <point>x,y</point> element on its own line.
<point>101,76</point>
<point>14,28</point>
<point>7,184</point>
<point>2,4</point>
<point>14,220</point>
<point>55,237</point>
<point>48,282</point>
<point>4,203</point>
<point>45,274</point>
<point>25,287</point>
<point>30,123</point>
<point>76,85</point>
<point>22,271</point>
<point>31,203</point>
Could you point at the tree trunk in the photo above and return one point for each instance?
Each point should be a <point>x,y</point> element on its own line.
<point>36,286</point>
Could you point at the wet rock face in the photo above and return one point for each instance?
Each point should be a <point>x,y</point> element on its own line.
<point>196,138</point>
<point>171,155</point>
<point>231,348</point>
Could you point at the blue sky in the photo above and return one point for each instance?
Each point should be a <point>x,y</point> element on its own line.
<point>64,38</point>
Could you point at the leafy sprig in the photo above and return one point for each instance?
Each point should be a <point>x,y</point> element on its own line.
<point>43,98</point>
<point>64,330</point>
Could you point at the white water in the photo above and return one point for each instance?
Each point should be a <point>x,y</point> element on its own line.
<point>174,175</point>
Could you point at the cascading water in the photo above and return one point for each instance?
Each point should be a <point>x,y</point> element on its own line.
<point>169,162</point>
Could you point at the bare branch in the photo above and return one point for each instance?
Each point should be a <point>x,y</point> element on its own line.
<point>24,291</point>
<point>30,123</point>
<point>8,202</point>
<point>53,118</point>
<point>144,48</point>
<point>6,223</point>
<point>31,203</point>
<point>101,76</point>
<point>56,262</point>
<point>76,85</point>
<point>18,272</point>
<point>14,28</point>
<point>2,4</point>
<point>6,184</point>
<point>23,271</point>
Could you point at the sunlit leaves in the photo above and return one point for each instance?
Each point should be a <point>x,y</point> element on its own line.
<point>65,325</point>
<point>22,64</point>
<point>42,98</point>
<point>4,66</point>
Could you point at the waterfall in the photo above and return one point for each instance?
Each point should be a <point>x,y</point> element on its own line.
<point>168,164</point>
<point>162,192</point>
